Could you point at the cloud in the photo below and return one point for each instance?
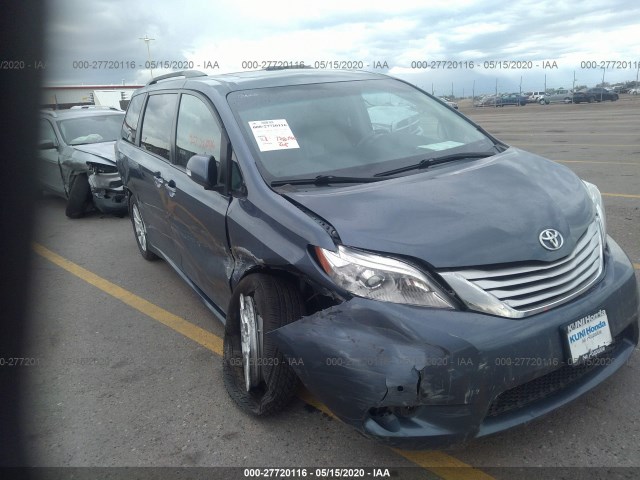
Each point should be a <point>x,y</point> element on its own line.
<point>399,33</point>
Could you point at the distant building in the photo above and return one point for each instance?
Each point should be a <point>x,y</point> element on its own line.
<point>66,96</point>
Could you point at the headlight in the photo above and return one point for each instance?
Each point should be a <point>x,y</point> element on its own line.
<point>380,278</point>
<point>101,167</point>
<point>596,197</point>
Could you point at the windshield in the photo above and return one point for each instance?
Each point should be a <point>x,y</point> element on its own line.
<point>91,129</point>
<point>356,128</point>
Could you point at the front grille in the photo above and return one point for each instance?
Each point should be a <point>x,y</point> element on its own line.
<point>533,287</point>
<point>548,384</point>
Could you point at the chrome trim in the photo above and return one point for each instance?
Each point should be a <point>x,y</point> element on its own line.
<point>524,290</point>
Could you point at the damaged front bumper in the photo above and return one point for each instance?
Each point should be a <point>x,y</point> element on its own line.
<point>428,378</point>
<point>108,192</point>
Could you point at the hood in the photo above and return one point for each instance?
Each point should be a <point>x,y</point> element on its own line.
<point>488,211</point>
<point>104,150</point>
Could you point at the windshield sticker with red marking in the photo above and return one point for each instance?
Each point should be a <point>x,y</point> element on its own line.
<point>273,135</point>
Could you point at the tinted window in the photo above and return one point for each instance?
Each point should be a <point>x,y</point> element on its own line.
<point>130,124</point>
<point>198,131</point>
<point>156,126</point>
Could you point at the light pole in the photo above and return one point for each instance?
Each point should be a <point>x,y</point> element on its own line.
<point>146,40</point>
<point>604,69</point>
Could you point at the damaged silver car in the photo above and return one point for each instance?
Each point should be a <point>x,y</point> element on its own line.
<point>77,162</point>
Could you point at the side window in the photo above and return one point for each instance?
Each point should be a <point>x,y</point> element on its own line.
<point>47,134</point>
<point>130,124</point>
<point>156,126</point>
<point>198,131</point>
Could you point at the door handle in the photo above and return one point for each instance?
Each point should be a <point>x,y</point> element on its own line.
<point>171,188</point>
<point>157,179</point>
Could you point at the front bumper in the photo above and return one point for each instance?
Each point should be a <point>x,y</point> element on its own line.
<point>426,378</point>
<point>108,193</point>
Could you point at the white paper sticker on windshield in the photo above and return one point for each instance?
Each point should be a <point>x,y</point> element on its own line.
<point>273,135</point>
<point>441,145</point>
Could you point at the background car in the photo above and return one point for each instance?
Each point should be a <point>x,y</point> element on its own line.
<point>583,96</point>
<point>533,97</point>
<point>452,104</point>
<point>486,101</point>
<point>600,94</point>
<point>77,159</point>
<point>634,91</point>
<point>511,99</point>
<point>560,96</point>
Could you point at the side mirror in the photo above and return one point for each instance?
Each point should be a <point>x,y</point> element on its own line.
<point>47,145</point>
<point>203,170</point>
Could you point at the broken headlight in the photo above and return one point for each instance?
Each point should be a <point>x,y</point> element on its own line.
<point>381,278</point>
<point>101,167</point>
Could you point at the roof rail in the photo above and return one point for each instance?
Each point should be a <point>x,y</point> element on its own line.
<point>183,73</point>
<point>93,107</point>
<point>48,111</point>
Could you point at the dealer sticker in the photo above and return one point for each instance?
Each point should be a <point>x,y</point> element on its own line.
<point>273,135</point>
<point>588,336</point>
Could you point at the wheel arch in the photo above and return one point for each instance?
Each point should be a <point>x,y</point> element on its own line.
<point>315,296</point>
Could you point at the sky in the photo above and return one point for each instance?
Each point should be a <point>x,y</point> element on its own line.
<point>532,44</point>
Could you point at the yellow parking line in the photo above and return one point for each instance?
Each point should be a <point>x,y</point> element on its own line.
<point>180,325</point>
<point>625,195</point>
<point>441,464</point>
<point>636,266</point>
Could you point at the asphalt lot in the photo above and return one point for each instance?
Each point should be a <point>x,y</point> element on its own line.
<point>127,372</point>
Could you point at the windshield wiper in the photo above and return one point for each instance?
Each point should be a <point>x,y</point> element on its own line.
<point>429,162</point>
<point>324,180</point>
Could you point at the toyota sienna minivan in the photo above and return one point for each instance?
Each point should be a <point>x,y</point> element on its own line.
<point>427,282</point>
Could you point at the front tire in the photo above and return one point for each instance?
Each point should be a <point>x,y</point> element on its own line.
<point>79,199</point>
<point>140,230</point>
<point>256,374</point>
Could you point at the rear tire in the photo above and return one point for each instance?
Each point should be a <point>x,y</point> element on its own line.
<point>140,230</point>
<point>79,199</point>
<point>256,374</point>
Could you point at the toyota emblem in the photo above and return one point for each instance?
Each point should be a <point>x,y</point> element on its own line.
<point>551,239</point>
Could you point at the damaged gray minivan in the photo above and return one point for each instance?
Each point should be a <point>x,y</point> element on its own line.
<point>427,282</point>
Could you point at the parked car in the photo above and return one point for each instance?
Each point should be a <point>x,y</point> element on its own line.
<point>451,103</point>
<point>384,269</point>
<point>600,94</point>
<point>487,101</point>
<point>634,91</point>
<point>511,99</point>
<point>560,96</point>
<point>582,96</point>
<point>77,159</point>
<point>534,97</point>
